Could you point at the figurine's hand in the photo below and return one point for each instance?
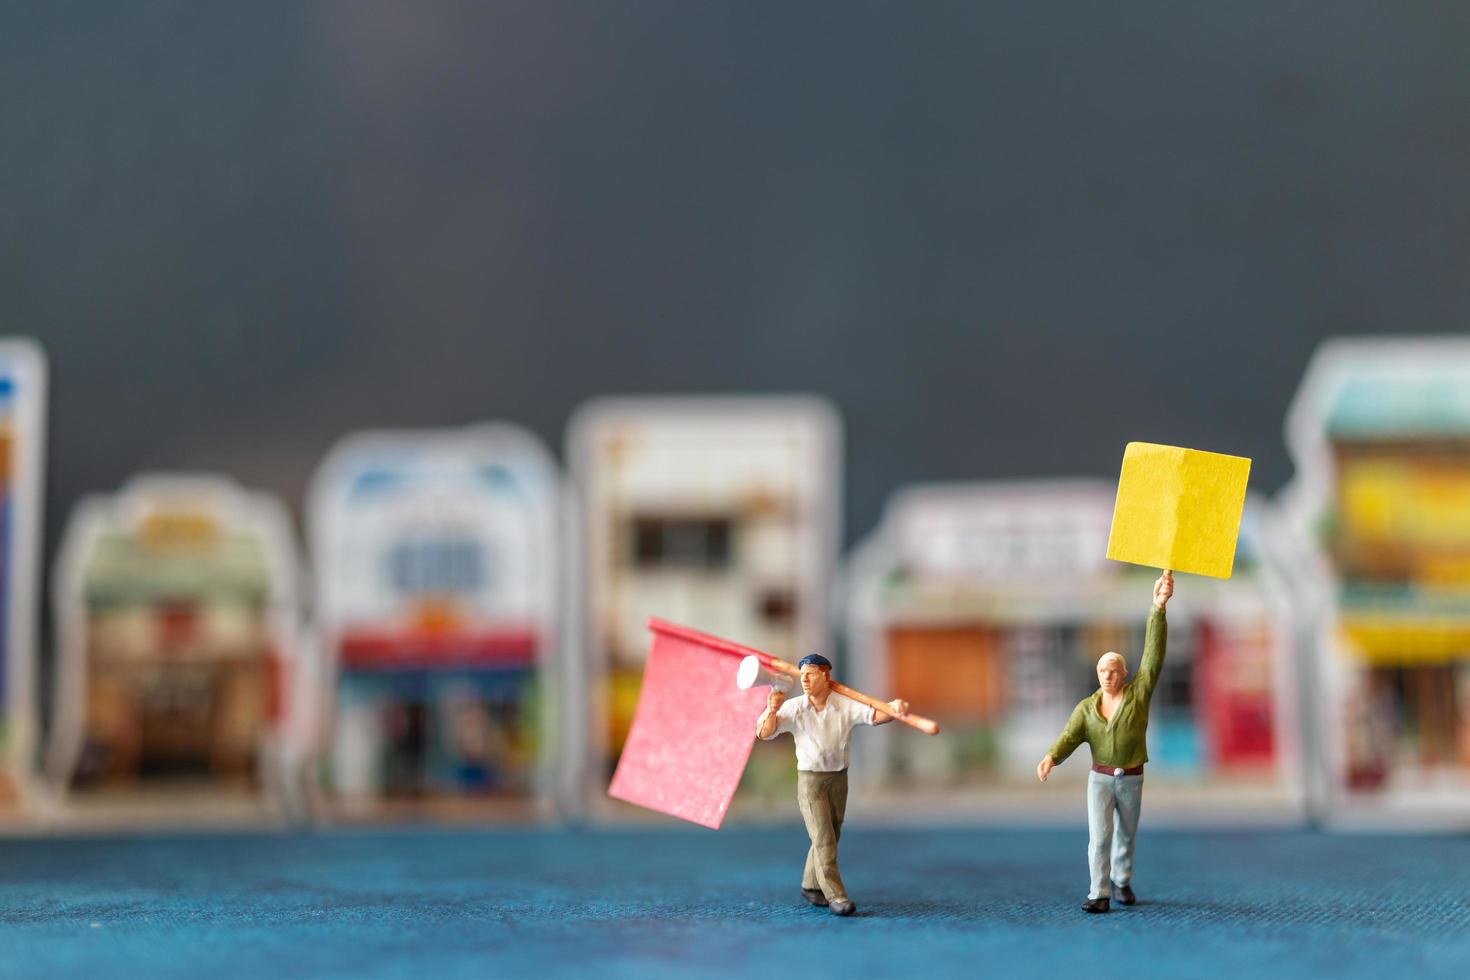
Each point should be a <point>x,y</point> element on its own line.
<point>899,707</point>
<point>1163,589</point>
<point>1044,767</point>
<point>775,699</point>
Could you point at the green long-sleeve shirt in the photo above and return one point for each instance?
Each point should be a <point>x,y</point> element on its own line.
<point>1119,742</point>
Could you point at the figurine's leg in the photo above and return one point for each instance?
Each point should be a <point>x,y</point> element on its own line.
<point>809,873</point>
<point>814,795</point>
<point>811,801</point>
<point>805,789</point>
<point>1128,792</point>
<point>839,805</point>
<point>1099,833</point>
<point>837,795</point>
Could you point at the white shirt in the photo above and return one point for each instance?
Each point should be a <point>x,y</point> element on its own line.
<point>822,737</point>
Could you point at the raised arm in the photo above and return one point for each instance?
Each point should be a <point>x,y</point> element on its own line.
<point>1155,639</point>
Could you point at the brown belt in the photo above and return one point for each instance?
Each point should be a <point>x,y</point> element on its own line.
<point>1114,771</point>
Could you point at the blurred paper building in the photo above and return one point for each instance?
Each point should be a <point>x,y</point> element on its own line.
<point>1380,433</point>
<point>22,462</point>
<point>435,558</point>
<point>719,513</point>
<point>176,615</point>
<point>988,605</point>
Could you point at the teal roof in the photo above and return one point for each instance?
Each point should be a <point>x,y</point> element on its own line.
<point>1432,405</point>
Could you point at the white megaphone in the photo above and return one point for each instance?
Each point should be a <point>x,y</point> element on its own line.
<point>752,673</point>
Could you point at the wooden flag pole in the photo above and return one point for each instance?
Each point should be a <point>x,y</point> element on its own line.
<point>925,725</point>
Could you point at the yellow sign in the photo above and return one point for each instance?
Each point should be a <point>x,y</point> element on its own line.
<point>1178,509</point>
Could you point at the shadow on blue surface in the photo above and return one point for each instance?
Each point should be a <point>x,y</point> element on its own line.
<point>688,902</point>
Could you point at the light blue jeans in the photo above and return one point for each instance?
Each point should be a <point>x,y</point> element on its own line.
<point>1113,803</point>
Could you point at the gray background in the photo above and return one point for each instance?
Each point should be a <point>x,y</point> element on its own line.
<point>1003,238</point>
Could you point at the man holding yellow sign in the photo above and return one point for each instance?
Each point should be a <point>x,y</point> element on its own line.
<point>1176,509</point>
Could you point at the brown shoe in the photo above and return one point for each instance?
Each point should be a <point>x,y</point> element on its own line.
<point>842,906</point>
<point>1095,905</point>
<point>815,896</point>
<point>1124,894</point>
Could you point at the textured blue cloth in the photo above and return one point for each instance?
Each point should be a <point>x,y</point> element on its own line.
<point>681,902</point>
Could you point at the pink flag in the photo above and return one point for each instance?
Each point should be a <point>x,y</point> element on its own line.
<point>693,730</point>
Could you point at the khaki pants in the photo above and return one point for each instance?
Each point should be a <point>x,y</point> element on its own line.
<point>822,797</point>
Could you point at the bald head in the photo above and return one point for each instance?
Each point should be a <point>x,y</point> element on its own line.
<point>1112,671</point>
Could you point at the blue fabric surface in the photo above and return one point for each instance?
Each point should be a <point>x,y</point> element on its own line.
<point>689,902</point>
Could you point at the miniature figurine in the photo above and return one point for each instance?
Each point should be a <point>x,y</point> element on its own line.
<point>1113,722</point>
<point>821,723</point>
